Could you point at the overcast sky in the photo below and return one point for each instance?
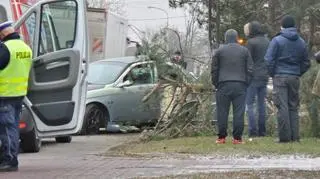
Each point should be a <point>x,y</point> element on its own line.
<point>144,18</point>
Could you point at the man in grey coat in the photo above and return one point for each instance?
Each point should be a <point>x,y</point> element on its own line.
<point>231,72</point>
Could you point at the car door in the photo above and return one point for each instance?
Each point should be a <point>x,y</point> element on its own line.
<point>143,83</point>
<point>57,87</point>
<point>128,105</point>
<point>151,107</point>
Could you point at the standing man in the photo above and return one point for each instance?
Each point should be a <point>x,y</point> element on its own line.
<point>257,46</point>
<point>287,58</point>
<point>231,72</point>
<point>15,65</point>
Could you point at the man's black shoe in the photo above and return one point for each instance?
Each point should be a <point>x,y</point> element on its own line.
<point>8,168</point>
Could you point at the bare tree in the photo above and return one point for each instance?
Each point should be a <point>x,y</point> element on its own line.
<point>96,3</point>
<point>117,6</point>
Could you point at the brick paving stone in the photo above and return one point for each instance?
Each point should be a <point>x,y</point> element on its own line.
<point>76,161</point>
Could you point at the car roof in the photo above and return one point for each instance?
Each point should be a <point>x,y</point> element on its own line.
<point>126,60</point>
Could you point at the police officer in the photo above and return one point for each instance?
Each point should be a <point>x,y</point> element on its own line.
<point>15,65</point>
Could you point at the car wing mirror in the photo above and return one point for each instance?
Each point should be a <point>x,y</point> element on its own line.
<point>125,84</point>
<point>69,44</point>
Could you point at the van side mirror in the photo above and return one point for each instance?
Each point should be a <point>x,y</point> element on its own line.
<point>125,84</point>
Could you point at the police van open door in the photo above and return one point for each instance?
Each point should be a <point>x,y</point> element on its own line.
<point>57,88</point>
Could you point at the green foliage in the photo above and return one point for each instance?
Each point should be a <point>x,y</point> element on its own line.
<point>307,82</point>
<point>310,101</point>
<point>235,13</point>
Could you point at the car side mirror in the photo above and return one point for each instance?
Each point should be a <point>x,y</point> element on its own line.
<point>69,44</point>
<point>125,84</point>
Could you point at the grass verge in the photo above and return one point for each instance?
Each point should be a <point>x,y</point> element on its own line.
<point>206,146</point>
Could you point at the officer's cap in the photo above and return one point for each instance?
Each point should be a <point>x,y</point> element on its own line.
<point>4,25</point>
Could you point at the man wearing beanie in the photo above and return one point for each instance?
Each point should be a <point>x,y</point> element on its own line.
<point>287,60</point>
<point>231,70</point>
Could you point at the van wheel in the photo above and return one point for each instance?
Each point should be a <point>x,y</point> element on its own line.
<point>64,139</point>
<point>30,142</point>
<point>94,118</point>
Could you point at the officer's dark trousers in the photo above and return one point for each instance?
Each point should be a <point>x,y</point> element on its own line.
<point>286,99</point>
<point>231,93</point>
<point>9,130</point>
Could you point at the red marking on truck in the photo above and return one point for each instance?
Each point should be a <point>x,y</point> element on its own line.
<point>17,13</point>
<point>97,45</point>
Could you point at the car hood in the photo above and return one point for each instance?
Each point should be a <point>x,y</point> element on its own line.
<point>95,87</point>
<point>94,90</point>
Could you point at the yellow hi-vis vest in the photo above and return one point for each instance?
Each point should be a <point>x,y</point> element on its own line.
<point>14,78</point>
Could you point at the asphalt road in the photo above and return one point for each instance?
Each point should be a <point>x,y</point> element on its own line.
<point>81,160</point>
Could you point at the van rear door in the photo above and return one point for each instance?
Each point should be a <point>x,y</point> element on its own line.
<point>57,86</point>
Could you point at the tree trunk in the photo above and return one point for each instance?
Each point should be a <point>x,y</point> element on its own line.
<point>312,32</point>
<point>218,21</point>
<point>210,23</point>
<point>272,16</point>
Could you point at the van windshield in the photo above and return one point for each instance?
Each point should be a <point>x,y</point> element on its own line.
<point>103,73</point>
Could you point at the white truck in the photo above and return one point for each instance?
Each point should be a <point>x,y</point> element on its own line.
<point>107,34</point>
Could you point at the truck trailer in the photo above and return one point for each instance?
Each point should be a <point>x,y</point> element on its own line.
<point>107,33</point>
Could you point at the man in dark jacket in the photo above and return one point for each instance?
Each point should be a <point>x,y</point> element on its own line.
<point>287,58</point>
<point>231,72</point>
<point>257,45</point>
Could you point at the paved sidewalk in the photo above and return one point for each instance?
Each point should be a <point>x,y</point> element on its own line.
<point>78,160</point>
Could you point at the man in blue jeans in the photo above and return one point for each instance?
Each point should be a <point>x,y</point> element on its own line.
<point>257,45</point>
<point>287,58</point>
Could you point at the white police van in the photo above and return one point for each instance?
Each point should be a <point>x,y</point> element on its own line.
<point>57,86</point>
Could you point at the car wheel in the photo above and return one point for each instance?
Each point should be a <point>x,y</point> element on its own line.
<point>30,142</point>
<point>93,118</point>
<point>64,139</point>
